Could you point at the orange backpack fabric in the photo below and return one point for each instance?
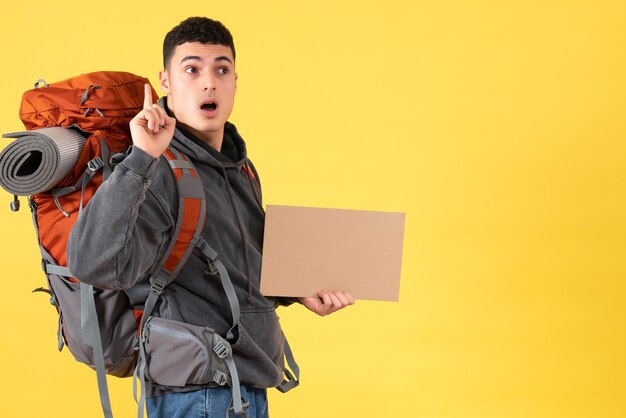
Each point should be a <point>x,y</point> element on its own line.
<point>102,105</point>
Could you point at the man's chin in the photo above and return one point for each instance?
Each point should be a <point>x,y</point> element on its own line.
<point>204,130</point>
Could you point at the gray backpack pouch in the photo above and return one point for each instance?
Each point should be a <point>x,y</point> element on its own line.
<point>180,354</point>
<point>118,327</point>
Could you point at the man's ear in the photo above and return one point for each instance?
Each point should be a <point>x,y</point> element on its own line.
<point>236,75</point>
<point>164,81</point>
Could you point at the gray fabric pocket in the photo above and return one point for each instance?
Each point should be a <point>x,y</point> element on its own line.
<point>118,327</point>
<point>180,354</point>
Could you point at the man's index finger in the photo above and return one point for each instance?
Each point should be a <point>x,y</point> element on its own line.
<point>147,96</point>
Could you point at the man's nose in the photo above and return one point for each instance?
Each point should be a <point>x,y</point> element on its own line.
<point>208,83</point>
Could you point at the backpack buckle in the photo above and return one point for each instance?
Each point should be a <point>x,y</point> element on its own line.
<point>157,287</point>
<point>94,165</point>
<point>221,349</point>
<point>211,270</point>
<point>220,378</point>
<point>245,404</point>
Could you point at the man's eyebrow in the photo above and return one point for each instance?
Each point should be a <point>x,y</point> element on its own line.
<point>197,58</point>
<point>190,57</point>
<point>223,58</point>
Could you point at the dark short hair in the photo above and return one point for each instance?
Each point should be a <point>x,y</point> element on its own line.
<point>196,29</point>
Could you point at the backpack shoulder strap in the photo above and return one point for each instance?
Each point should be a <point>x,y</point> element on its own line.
<point>189,224</point>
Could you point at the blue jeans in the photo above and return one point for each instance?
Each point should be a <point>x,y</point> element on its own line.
<point>206,403</point>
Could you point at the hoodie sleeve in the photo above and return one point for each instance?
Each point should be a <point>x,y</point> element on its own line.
<point>123,229</point>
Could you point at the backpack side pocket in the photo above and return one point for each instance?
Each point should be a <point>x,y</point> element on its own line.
<point>118,327</point>
<point>180,354</point>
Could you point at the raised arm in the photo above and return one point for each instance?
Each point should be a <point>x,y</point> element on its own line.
<point>152,130</point>
<point>122,230</point>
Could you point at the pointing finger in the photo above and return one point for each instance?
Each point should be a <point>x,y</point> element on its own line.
<point>147,96</point>
<point>161,113</point>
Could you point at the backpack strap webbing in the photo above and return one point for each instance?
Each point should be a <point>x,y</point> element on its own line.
<point>90,333</point>
<point>90,171</point>
<point>227,284</point>
<point>189,224</point>
<point>291,380</point>
<point>92,168</point>
<point>106,158</point>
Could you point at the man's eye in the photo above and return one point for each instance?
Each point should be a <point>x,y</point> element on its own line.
<point>222,70</point>
<point>191,70</point>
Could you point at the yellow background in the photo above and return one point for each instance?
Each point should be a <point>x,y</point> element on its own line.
<point>498,127</point>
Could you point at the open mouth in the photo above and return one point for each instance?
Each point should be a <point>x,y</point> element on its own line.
<point>209,106</point>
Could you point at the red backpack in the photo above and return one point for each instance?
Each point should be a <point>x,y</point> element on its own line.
<point>97,108</point>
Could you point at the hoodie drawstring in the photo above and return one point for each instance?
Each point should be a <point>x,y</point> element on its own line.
<point>244,240</point>
<point>254,186</point>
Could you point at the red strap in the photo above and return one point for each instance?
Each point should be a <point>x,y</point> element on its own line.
<point>191,217</point>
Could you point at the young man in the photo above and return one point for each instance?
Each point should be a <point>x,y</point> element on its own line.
<point>126,227</point>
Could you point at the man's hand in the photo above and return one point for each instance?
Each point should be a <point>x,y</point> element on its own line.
<point>327,302</point>
<point>152,130</point>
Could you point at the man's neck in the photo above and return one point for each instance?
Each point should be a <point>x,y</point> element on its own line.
<point>213,139</point>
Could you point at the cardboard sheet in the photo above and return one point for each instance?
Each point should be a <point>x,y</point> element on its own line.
<point>310,249</point>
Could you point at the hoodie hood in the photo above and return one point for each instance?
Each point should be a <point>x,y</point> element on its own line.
<point>233,155</point>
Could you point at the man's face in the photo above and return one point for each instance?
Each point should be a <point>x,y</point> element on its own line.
<point>200,85</point>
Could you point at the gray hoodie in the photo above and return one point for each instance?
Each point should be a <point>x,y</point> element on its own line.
<point>126,227</point>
